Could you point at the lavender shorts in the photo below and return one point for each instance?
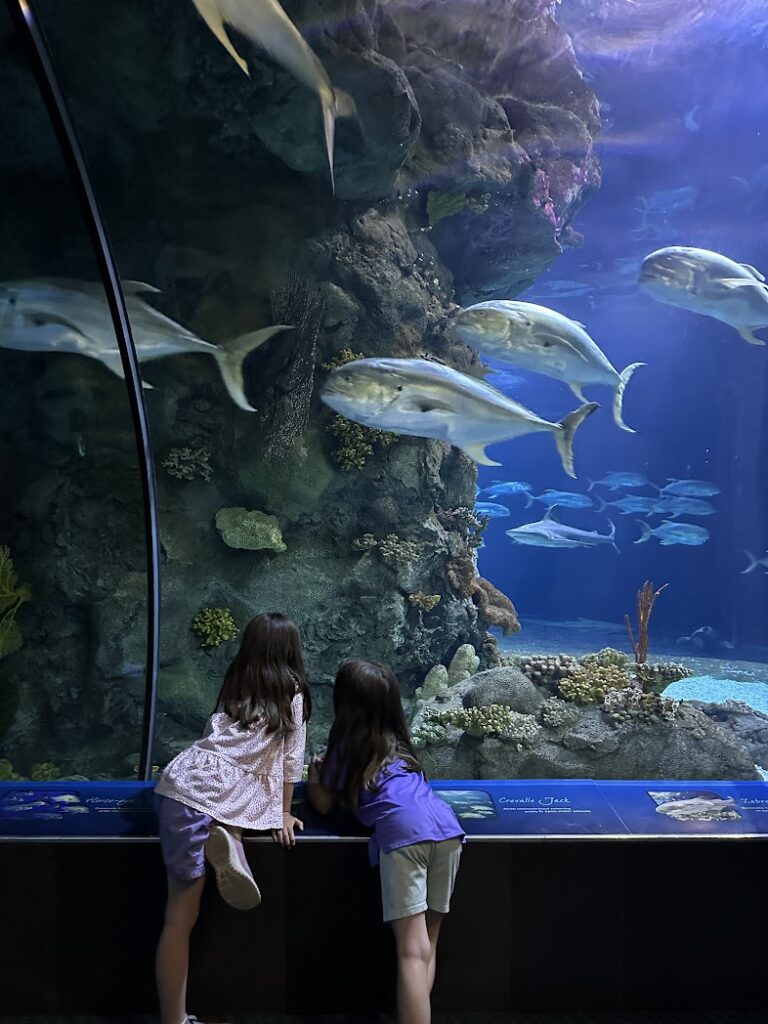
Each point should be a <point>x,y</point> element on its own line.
<point>183,831</point>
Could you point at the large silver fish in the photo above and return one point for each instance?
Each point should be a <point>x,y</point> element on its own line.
<point>425,399</point>
<point>709,283</point>
<point>673,533</point>
<point>73,316</point>
<point>543,340</point>
<point>549,533</point>
<point>265,23</point>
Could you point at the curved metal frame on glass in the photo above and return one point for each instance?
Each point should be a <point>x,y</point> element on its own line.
<point>28,27</point>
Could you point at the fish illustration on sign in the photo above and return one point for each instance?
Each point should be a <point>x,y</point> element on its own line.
<point>73,316</point>
<point>425,399</point>
<point>545,341</point>
<point>265,23</point>
<point>711,284</point>
<point>550,533</point>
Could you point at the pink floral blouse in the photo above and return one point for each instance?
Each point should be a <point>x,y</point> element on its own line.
<point>236,775</point>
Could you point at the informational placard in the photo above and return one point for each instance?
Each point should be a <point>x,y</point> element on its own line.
<point>492,809</point>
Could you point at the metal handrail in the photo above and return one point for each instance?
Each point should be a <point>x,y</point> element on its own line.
<point>29,28</point>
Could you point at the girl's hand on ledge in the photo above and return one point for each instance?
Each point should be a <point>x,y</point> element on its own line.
<point>285,836</point>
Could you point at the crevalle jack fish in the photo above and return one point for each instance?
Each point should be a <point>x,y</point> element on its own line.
<point>550,533</point>
<point>73,316</point>
<point>542,340</point>
<point>265,23</point>
<point>709,283</point>
<point>673,533</point>
<point>425,399</point>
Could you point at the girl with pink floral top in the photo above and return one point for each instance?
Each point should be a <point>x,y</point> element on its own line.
<point>240,774</point>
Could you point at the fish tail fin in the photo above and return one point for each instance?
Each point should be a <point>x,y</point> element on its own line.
<point>591,483</point>
<point>603,504</point>
<point>528,499</point>
<point>747,335</point>
<point>231,356</point>
<point>565,434</point>
<point>645,532</point>
<point>618,399</point>
<point>753,563</point>
<point>612,537</point>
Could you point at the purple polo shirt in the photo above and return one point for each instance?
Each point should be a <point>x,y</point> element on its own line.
<point>402,810</point>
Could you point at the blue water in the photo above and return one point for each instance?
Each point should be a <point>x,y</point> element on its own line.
<point>688,114</point>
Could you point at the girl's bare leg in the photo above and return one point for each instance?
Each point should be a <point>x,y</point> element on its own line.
<point>433,921</point>
<point>172,958</point>
<point>414,954</point>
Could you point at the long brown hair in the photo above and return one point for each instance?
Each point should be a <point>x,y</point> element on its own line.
<point>369,730</point>
<point>265,675</point>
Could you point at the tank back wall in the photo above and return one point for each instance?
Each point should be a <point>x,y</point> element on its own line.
<point>370,360</point>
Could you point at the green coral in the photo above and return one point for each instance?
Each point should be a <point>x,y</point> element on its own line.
<point>345,356</point>
<point>555,713</point>
<point>424,601</point>
<point>45,771</point>
<point>492,720</point>
<point>214,626</point>
<point>654,678</point>
<point>356,443</point>
<point>7,774</point>
<point>625,706</point>
<point>442,204</point>
<point>12,596</point>
<point>397,552</point>
<point>189,463</point>
<point>606,658</point>
<point>590,684</point>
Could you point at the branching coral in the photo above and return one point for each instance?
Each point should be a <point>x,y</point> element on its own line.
<point>45,771</point>
<point>494,607</point>
<point>546,669</point>
<point>492,720</point>
<point>189,463</point>
<point>214,626</point>
<point>589,685</point>
<point>646,599</point>
<point>655,678</point>
<point>12,596</point>
<point>442,204</point>
<point>356,443</point>
<point>397,552</point>
<point>465,521</point>
<point>365,543</point>
<point>606,658</point>
<point>424,601</point>
<point>631,704</point>
<point>555,713</point>
<point>345,356</point>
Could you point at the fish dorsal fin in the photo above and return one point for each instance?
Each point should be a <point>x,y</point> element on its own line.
<point>579,324</point>
<point>551,514</point>
<point>753,271</point>
<point>576,389</point>
<point>212,16</point>
<point>139,288</point>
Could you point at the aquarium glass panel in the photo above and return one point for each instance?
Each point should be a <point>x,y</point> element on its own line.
<point>463,363</point>
<point>72,551</point>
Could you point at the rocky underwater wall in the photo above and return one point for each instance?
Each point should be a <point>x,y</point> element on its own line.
<point>457,181</point>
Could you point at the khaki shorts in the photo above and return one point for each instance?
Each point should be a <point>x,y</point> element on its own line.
<point>419,877</point>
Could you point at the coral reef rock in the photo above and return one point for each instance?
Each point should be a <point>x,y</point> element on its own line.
<point>576,740</point>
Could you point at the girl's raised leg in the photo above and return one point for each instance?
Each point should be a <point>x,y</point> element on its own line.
<point>172,958</point>
<point>414,956</point>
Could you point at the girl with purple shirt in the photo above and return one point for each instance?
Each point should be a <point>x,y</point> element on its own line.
<point>371,766</point>
<point>240,774</point>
